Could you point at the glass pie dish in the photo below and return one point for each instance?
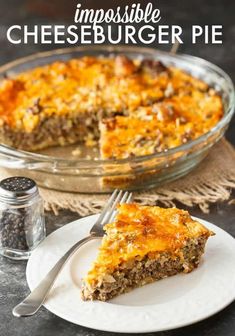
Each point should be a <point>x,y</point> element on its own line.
<point>56,167</point>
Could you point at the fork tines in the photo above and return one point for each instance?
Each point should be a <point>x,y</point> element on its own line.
<point>117,197</point>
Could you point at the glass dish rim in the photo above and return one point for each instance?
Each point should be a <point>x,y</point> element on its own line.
<point>21,154</point>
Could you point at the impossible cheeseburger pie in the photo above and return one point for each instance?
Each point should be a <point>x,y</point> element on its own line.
<point>144,244</point>
<point>128,107</point>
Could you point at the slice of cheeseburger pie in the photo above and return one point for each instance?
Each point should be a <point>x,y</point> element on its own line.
<point>142,245</point>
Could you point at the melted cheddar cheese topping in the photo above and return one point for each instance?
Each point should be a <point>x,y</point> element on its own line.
<point>143,230</point>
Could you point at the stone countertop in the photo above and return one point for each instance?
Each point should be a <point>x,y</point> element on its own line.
<point>13,285</point>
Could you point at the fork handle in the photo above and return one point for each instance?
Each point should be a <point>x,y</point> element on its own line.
<point>35,299</point>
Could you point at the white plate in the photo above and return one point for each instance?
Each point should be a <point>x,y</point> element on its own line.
<point>167,304</point>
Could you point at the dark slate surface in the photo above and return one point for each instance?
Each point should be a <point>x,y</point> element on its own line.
<point>13,285</point>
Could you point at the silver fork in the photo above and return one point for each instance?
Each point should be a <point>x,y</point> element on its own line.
<point>31,304</point>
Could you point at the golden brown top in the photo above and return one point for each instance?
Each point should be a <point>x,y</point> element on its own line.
<point>144,230</point>
<point>163,125</point>
<point>100,85</point>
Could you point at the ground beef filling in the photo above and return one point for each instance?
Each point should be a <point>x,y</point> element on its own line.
<point>53,131</point>
<point>138,273</point>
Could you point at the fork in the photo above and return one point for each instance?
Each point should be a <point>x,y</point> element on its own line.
<point>31,304</point>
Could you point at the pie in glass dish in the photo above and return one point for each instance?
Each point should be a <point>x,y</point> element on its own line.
<point>131,107</point>
<point>142,245</point>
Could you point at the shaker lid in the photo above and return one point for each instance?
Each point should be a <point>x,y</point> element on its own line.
<point>18,187</point>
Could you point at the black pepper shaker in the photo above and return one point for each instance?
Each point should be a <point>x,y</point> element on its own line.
<point>22,224</point>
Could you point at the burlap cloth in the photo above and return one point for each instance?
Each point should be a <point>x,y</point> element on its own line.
<point>212,181</point>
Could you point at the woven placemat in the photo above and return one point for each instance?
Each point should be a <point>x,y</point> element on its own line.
<point>212,181</point>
